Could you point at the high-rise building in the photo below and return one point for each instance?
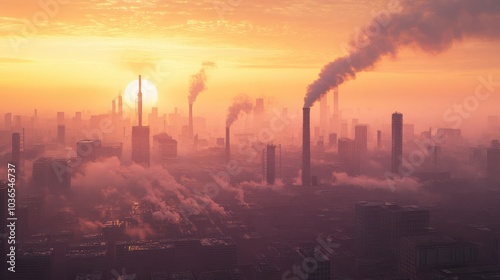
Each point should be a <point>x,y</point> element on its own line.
<point>271,164</point>
<point>52,173</point>
<point>368,227</point>
<point>332,139</point>
<point>258,113</point>
<point>164,147</point>
<point>140,145</point>
<point>380,226</point>
<point>349,156</point>
<point>61,134</point>
<point>361,139</point>
<point>88,150</point>
<point>60,118</point>
<point>140,136</point>
<point>397,142</point>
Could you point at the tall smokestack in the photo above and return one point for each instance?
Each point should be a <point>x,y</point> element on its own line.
<point>113,107</point>
<point>306,147</point>
<point>120,106</point>
<point>191,129</point>
<point>228,154</point>
<point>139,102</point>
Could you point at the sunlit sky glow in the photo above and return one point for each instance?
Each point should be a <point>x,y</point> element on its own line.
<point>88,51</point>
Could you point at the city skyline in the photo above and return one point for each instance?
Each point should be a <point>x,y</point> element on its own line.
<point>249,140</point>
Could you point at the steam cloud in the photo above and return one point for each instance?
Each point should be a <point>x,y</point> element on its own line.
<point>240,104</point>
<point>198,81</point>
<point>109,185</point>
<point>431,25</point>
<point>369,183</point>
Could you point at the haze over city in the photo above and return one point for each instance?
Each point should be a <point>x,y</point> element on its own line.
<point>250,139</point>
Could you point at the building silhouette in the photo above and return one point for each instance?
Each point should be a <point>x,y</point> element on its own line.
<point>140,136</point>
<point>270,164</point>
<point>164,147</point>
<point>52,173</point>
<point>397,142</point>
<point>361,139</point>
<point>349,156</point>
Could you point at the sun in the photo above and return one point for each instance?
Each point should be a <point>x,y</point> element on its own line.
<point>149,93</point>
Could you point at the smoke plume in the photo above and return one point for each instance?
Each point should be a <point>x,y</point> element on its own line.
<point>198,81</point>
<point>240,104</point>
<point>430,25</point>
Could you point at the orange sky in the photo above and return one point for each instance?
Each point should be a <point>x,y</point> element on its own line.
<point>87,51</point>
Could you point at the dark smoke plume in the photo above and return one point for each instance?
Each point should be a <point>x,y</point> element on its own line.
<point>430,25</point>
<point>198,81</point>
<point>240,104</point>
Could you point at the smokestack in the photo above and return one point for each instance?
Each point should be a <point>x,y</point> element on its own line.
<point>228,154</point>
<point>306,147</point>
<point>139,102</point>
<point>113,107</point>
<point>120,106</point>
<point>191,129</point>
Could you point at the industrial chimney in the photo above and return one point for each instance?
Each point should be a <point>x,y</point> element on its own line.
<point>228,154</point>
<point>306,147</point>
<point>113,108</point>
<point>139,102</point>
<point>191,130</point>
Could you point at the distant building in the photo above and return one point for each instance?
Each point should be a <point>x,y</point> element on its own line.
<point>349,156</point>
<point>61,134</point>
<point>164,147</point>
<point>422,253</point>
<point>332,139</point>
<point>361,139</point>
<point>380,226</point>
<point>452,137</point>
<point>270,164</point>
<point>16,149</point>
<point>51,173</point>
<point>140,145</point>
<point>397,142</point>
